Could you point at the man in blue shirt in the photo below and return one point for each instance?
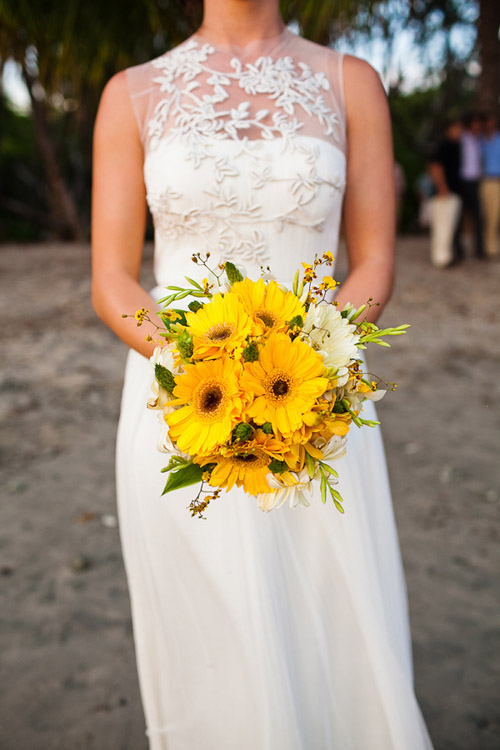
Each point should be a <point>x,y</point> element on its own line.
<point>490,184</point>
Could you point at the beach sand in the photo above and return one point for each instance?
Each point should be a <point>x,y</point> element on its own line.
<point>68,675</point>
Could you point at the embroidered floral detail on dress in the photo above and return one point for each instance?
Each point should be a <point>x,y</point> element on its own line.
<point>287,84</point>
<point>200,107</point>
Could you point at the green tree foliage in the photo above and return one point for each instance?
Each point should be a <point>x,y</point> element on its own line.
<point>67,52</point>
<point>22,205</point>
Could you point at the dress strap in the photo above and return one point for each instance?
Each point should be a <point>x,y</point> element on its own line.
<point>141,88</point>
<point>336,79</point>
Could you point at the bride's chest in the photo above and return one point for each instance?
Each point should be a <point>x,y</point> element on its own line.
<point>241,145</point>
<point>192,180</point>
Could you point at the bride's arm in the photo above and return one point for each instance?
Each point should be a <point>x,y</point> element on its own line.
<point>119,217</point>
<point>369,204</point>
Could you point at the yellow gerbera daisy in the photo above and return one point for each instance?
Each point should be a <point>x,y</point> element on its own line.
<point>285,381</point>
<point>212,405</point>
<point>221,325</point>
<point>270,307</point>
<point>246,465</point>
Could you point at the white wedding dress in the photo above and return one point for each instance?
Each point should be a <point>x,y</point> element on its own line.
<point>255,631</point>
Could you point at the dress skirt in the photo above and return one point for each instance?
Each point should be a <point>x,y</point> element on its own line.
<point>285,630</point>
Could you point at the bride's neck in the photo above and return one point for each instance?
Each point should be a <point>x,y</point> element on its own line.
<point>240,22</point>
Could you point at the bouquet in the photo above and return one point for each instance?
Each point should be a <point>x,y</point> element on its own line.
<point>257,386</point>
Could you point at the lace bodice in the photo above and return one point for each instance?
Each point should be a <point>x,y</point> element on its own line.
<point>244,152</point>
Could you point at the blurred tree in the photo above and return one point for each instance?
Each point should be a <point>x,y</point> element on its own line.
<point>67,51</point>
<point>489,53</point>
<point>455,14</point>
<point>324,21</point>
<point>21,176</point>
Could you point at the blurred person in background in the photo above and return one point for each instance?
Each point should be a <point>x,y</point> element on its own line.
<point>426,190</point>
<point>490,183</point>
<point>470,175</point>
<point>445,206</point>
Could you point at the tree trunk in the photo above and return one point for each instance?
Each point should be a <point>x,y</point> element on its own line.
<point>489,54</point>
<point>62,208</point>
<point>25,211</point>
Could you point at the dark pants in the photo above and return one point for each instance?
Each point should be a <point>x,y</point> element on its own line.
<point>471,205</point>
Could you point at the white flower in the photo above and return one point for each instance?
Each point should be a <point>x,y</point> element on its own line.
<point>356,398</point>
<point>225,286</point>
<point>334,448</point>
<point>375,395</point>
<point>333,337</point>
<point>298,493</point>
<point>268,276</point>
<point>163,355</point>
<point>295,495</point>
<point>164,444</point>
<point>356,391</point>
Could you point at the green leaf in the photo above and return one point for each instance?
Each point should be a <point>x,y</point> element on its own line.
<point>175,463</point>
<point>165,378</point>
<point>243,431</point>
<point>251,352</point>
<point>339,407</point>
<point>181,320</point>
<point>277,467</point>
<point>310,465</point>
<point>323,488</point>
<point>183,477</point>
<point>370,422</point>
<point>329,470</point>
<point>185,345</point>
<point>166,300</point>
<point>336,494</point>
<point>296,322</point>
<point>337,498</point>
<point>193,282</point>
<point>232,273</point>
<point>194,305</point>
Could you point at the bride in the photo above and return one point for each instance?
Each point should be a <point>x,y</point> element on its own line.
<point>253,631</point>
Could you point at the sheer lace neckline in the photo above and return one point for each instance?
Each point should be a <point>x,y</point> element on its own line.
<point>266,46</point>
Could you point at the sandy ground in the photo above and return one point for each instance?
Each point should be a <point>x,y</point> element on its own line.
<point>67,671</point>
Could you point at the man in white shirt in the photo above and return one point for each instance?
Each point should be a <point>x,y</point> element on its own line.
<point>470,176</point>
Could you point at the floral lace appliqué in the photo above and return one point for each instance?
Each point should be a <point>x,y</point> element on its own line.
<point>287,84</point>
<point>199,107</point>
